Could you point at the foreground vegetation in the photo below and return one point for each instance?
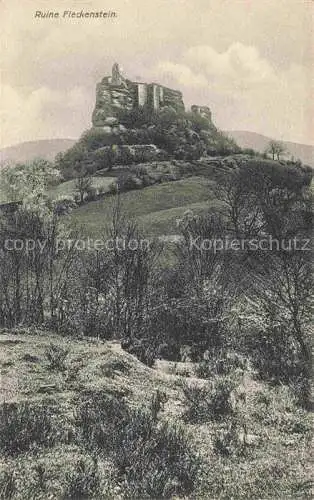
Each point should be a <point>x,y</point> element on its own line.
<point>87,420</point>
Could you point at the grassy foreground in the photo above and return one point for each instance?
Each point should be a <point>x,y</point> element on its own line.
<point>65,404</point>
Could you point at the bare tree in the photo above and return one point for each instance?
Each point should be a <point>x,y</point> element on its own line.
<point>239,206</point>
<point>82,184</point>
<point>31,277</point>
<point>133,267</point>
<point>276,149</point>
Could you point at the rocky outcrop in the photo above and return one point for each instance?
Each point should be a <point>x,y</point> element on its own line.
<point>203,111</point>
<point>115,92</point>
<point>124,154</point>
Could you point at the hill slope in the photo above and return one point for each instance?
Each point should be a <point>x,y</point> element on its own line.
<point>26,151</point>
<point>155,208</point>
<point>259,142</point>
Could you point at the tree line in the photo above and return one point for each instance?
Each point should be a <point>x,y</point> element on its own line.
<point>256,302</point>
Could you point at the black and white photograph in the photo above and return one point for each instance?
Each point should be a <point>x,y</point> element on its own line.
<point>156,271</point>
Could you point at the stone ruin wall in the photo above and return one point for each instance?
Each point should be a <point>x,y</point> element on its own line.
<point>115,92</point>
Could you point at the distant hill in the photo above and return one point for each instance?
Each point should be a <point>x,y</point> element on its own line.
<point>48,148</point>
<point>26,151</point>
<point>259,142</point>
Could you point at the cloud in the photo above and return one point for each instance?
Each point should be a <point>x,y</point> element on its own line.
<point>237,69</point>
<point>180,73</point>
<point>245,91</point>
<point>239,57</point>
<point>42,113</point>
<point>240,64</point>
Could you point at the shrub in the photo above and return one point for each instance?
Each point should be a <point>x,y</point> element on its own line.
<point>209,402</point>
<point>220,363</point>
<point>112,365</point>
<point>99,419</point>
<point>301,389</point>
<point>64,206</point>
<point>82,481</point>
<point>226,439</point>
<point>58,475</point>
<point>7,484</point>
<point>158,459</point>
<point>158,400</point>
<point>275,355</point>
<point>278,407</point>
<point>127,182</point>
<point>113,188</point>
<point>267,478</point>
<point>145,349</point>
<point>77,199</point>
<point>153,459</point>
<point>277,358</point>
<point>249,152</point>
<point>91,193</point>
<point>28,424</point>
<point>102,191</point>
<point>56,356</point>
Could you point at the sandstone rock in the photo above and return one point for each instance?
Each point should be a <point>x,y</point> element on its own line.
<point>203,111</point>
<point>115,92</point>
<point>111,120</point>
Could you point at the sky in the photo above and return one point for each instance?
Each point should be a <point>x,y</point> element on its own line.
<point>250,61</point>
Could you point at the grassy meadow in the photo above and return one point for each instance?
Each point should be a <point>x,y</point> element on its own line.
<point>155,208</point>
<point>68,189</point>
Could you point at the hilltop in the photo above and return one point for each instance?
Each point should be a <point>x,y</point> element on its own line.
<point>137,122</point>
<point>49,148</point>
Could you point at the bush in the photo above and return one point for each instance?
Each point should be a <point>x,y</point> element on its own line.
<point>277,358</point>
<point>226,440</point>
<point>153,459</point>
<point>7,484</point>
<point>64,206</point>
<point>145,349</point>
<point>278,407</point>
<point>100,418</point>
<point>301,389</point>
<point>91,194</point>
<point>250,152</point>
<point>127,182</point>
<point>112,365</point>
<point>102,191</point>
<point>57,475</point>
<point>220,363</point>
<point>83,480</point>
<point>158,460</point>
<point>113,188</point>
<point>28,424</point>
<point>209,402</point>
<point>56,356</point>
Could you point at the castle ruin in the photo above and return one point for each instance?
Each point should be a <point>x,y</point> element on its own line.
<point>116,92</point>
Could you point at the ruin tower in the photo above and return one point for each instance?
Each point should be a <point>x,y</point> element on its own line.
<point>115,93</point>
<point>116,76</point>
<point>203,111</point>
